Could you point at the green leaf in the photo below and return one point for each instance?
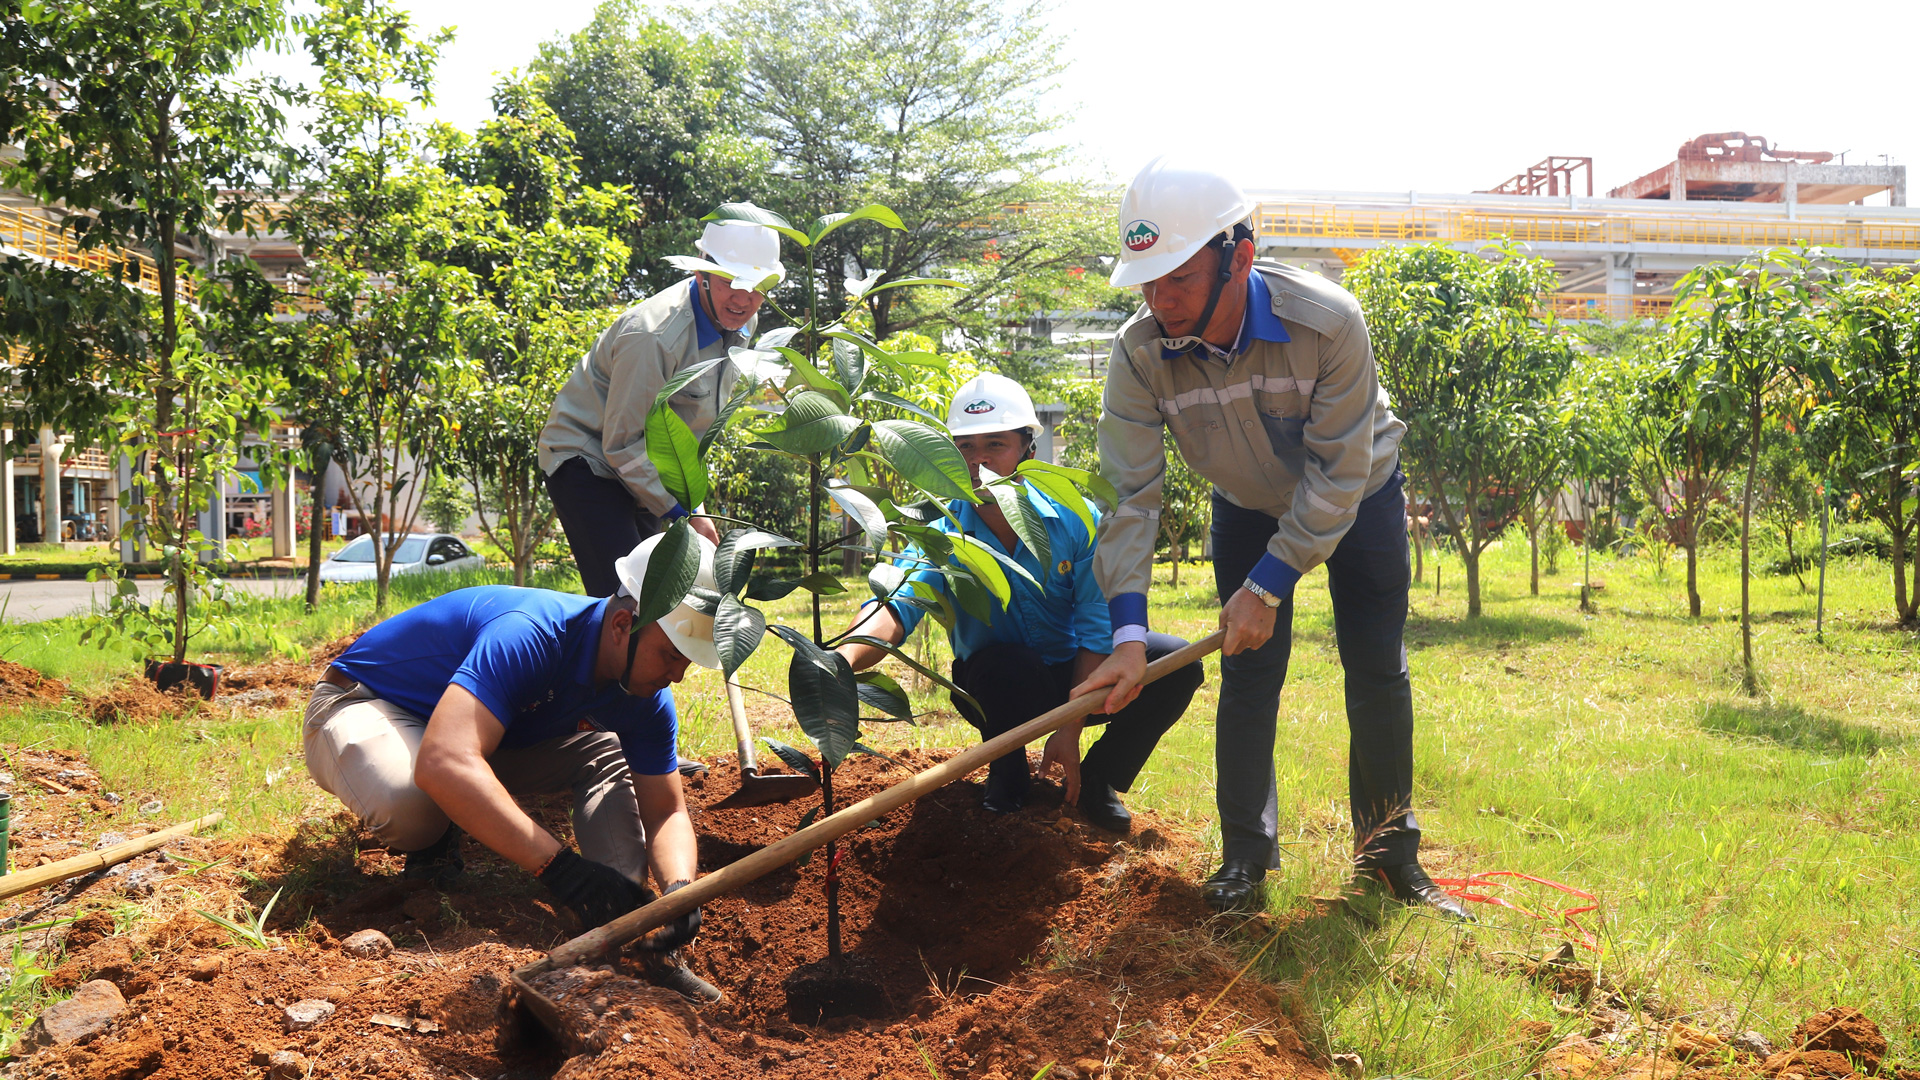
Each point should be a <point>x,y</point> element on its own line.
<point>925,458</point>
<point>821,583</point>
<point>826,703</point>
<point>849,364</point>
<point>885,579</point>
<point>759,215</point>
<point>737,630</point>
<point>684,377</point>
<point>972,597</point>
<point>872,212</point>
<point>733,559</point>
<point>769,589</point>
<point>801,372</point>
<point>924,359</point>
<point>813,425</point>
<point>978,559</point>
<point>1028,525</point>
<point>675,454</point>
<point>881,397</point>
<point>948,283</point>
<point>861,509</point>
<point>1090,482</point>
<point>1060,488</point>
<point>894,650</point>
<point>803,645</point>
<point>879,690</point>
<point>797,759</point>
<point>670,573</point>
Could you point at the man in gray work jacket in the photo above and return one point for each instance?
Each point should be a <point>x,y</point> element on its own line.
<point>1264,374</point>
<point>605,489</point>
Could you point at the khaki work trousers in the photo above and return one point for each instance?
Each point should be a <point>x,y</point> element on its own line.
<point>362,749</point>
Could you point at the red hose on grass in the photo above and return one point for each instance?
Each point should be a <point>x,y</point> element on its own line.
<point>1461,888</point>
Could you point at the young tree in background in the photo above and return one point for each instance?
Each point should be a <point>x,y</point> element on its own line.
<point>383,322</point>
<point>1752,336</point>
<point>549,265</point>
<point>1873,329</point>
<point>1475,375</point>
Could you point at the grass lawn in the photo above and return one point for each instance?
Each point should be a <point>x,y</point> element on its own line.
<point>1754,859</point>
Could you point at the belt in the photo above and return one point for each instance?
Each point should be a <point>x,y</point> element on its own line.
<point>339,678</point>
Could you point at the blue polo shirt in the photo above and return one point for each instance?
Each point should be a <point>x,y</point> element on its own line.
<point>527,654</point>
<point>1259,324</point>
<point>1071,614</point>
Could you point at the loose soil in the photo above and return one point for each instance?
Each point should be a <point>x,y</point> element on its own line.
<point>998,945</point>
<point>22,685</point>
<point>135,700</point>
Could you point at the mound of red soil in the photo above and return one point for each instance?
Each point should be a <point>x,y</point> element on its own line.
<point>1842,1030</point>
<point>21,685</point>
<point>136,700</point>
<point>996,945</point>
<point>277,674</point>
<point>328,653</point>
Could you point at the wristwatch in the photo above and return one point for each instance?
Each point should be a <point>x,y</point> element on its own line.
<point>1266,597</point>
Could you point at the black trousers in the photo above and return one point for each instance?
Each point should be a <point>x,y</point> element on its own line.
<point>1013,685</point>
<point>601,520</point>
<point>1368,578</point>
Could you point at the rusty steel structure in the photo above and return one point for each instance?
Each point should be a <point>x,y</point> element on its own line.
<point>1553,176</point>
<point>1733,166</point>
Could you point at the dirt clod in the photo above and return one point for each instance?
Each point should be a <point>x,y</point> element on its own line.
<point>22,685</point>
<point>310,1012</point>
<point>206,968</point>
<point>288,1065</point>
<point>1842,1030</point>
<point>367,945</point>
<point>88,1012</point>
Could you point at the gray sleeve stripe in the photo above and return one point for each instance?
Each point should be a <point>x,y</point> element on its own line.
<point>1207,395</point>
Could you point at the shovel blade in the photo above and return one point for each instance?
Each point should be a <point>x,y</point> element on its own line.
<point>758,790</point>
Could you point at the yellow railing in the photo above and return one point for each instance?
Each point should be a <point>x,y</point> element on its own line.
<point>43,237</point>
<point>1601,305</point>
<point>1419,224</point>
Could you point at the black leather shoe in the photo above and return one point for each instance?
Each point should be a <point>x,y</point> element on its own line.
<point>667,972</point>
<point>1235,886</point>
<point>688,767</point>
<point>439,863</point>
<point>1102,806</point>
<point>1411,885</point>
<point>996,803</point>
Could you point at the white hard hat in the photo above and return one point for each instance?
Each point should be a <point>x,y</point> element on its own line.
<point>690,630</point>
<point>1169,213</point>
<point>991,402</point>
<point>745,254</point>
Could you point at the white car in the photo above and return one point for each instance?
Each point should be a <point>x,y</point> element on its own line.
<point>417,552</point>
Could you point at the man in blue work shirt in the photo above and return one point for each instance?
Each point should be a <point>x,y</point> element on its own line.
<point>434,720</point>
<point>1022,662</point>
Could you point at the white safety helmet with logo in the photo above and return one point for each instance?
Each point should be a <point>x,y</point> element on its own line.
<point>989,403</point>
<point>690,629</point>
<point>1170,211</point>
<point>745,254</point>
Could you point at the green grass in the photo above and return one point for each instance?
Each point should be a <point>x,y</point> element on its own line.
<point>1754,858</point>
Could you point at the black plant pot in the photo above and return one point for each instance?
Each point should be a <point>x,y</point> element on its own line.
<point>204,678</point>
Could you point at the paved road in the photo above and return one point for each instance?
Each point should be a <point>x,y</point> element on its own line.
<point>32,601</point>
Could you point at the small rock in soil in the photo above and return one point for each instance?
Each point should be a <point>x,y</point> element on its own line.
<point>287,1065</point>
<point>302,1015</point>
<point>367,945</point>
<point>206,967</point>
<point>1349,1065</point>
<point>109,839</point>
<point>88,1012</point>
<point>152,807</point>
<point>1752,1042</point>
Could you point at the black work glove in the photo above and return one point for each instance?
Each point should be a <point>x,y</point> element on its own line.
<point>595,891</point>
<point>676,933</point>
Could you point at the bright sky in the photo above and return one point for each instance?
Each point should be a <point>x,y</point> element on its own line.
<point>1395,95</point>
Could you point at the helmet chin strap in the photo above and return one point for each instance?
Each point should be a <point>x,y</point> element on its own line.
<point>633,646</point>
<point>1225,247</point>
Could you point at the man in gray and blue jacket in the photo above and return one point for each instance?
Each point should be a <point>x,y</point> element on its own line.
<point>1264,375</point>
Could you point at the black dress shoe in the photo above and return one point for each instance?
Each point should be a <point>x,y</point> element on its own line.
<point>1411,885</point>
<point>1102,806</point>
<point>667,972</point>
<point>1000,803</point>
<point>688,767</point>
<point>1235,886</point>
<point>438,863</point>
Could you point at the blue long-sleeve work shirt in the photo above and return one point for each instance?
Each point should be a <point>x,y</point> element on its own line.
<point>1069,615</point>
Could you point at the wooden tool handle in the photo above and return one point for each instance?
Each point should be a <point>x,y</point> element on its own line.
<point>730,877</point>
<point>28,880</point>
<point>742,734</point>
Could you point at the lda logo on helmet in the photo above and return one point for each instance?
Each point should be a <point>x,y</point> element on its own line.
<point>978,407</point>
<point>1141,235</point>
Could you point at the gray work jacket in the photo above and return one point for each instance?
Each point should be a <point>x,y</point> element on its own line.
<point>601,413</point>
<point>1299,430</point>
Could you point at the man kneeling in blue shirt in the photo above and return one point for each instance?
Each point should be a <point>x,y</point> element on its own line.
<point>437,718</point>
<point>1023,662</point>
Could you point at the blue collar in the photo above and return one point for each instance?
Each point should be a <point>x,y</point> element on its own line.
<point>1258,324</point>
<point>705,334</point>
